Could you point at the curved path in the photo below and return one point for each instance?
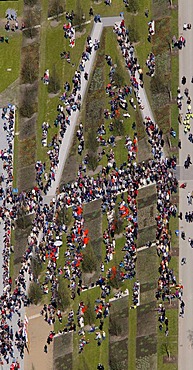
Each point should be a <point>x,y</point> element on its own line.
<point>186,271</point>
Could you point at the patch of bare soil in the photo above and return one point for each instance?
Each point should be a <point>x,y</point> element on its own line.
<point>26,182</point>
<point>79,34</point>
<point>28,128</point>
<point>54,23</point>
<point>38,331</point>
<point>11,94</point>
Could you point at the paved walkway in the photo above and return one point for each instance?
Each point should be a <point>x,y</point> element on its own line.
<point>186,271</point>
<point>4,145</point>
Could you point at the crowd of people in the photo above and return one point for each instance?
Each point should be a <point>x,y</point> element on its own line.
<point>46,229</point>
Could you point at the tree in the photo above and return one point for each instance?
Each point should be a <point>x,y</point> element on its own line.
<point>28,104</point>
<point>118,126</point>
<point>92,160</point>
<point>133,6</point>
<point>118,76</point>
<point>114,326</point>
<point>54,84</point>
<point>30,22</point>
<point>89,263</point>
<point>36,267</point>
<point>133,31</point>
<point>63,297</point>
<point>29,72</point>
<point>56,7</point>
<point>30,2</point>
<point>35,293</point>
<point>89,315</point>
<point>79,14</point>
<point>115,281</point>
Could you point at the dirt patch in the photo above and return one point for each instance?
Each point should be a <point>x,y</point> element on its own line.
<point>36,358</point>
<point>147,362</point>
<point>54,23</point>
<point>95,172</point>
<point>28,127</point>
<point>11,94</point>
<point>175,252</point>
<point>147,286</point>
<point>146,192</point>
<point>118,334</point>
<point>26,182</point>
<point>147,265</point>
<point>170,360</point>
<point>80,34</point>
<point>62,353</point>
<point>27,152</point>
<point>160,8</point>
<point>148,234</point>
<point>93,222</point>
<point>146,319</point>
<point>146,345</point>
<point>144,153</point>
<point>69,171</point>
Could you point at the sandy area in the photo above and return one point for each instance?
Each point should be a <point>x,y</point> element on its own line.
<point>38,331</point>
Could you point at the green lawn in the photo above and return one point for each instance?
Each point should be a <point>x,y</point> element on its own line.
<point>10,59</point>
<point>17,5</point>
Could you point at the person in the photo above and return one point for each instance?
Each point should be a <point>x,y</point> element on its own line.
<point>179,144</point>
<point>46,348</point>
<point>91,11</point>
<point>183,186</point>
<point>183,80</point>
<point>180,216</point>
<point>100,367</point>
<point>183,261</point>
<point>183,235</point>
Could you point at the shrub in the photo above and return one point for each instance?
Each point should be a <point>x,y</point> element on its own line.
<point>89,315</point>
<point>28,104</point>
<point>133,6</point>
<point>63,297</point>
<point>54,84</point>
<point>35,293</point>
<point>29,71</point>
<point>133,31</point>
<point>36,268</point>
<point>56,7</point>
<point>119,128</point>
<point>118,76</point>
<point>30,22</point>
<point>89,263</point>
<point>92,161</point>
<point>78,18</point>
<point>116,281</point>
<point>114,326</point>
<point>158,84</point>
<point>30,2</point>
